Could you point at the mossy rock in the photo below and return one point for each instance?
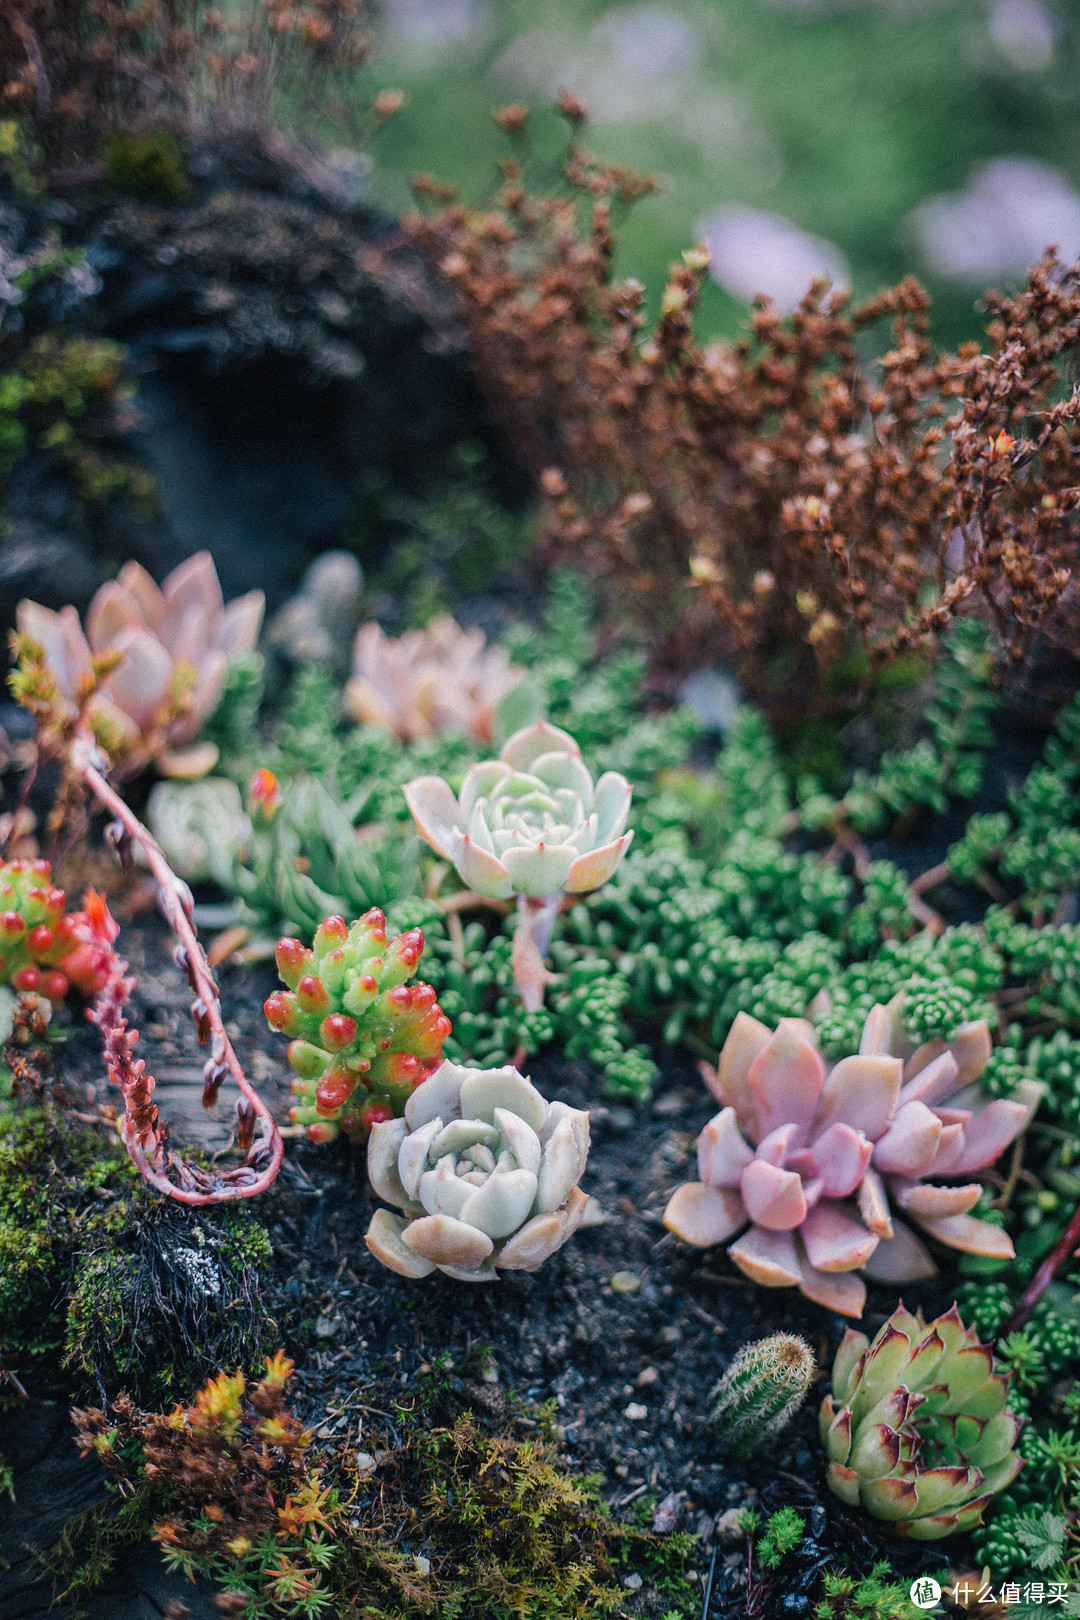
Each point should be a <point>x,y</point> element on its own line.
<point>104,1286</point>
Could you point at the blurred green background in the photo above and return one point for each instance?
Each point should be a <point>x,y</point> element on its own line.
<point>935,136</point>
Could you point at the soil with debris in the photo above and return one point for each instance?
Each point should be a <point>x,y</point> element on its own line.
<point>626,1328</point>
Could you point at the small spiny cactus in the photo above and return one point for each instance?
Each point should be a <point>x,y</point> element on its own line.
<point>361,1039</point>
<point>761,1391</point>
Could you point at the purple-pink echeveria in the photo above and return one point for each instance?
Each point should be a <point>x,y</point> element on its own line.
<point>812,1161</point>
<point>176,642</point>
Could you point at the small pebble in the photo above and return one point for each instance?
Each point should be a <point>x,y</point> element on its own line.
<point>365,1464</point>
<point>595,1214</point>
<point>633,1583</point>
<point>635,1412</point>
<point>668,1513</point>
<point>325,1328</point>
<point>625,1282</point>
<point>727,1528</point>
<point>423,1565</point>
<point>647,1376</point>
<point>670,1334</point>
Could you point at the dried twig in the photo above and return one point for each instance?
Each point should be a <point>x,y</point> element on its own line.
<point>142,1131</point>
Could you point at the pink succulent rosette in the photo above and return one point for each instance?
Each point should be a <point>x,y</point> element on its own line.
<point>812,1161</point>
<point>443,678</point>
<point>176,642</point>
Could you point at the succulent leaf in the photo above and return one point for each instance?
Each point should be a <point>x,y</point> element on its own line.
<point>363,1038</point>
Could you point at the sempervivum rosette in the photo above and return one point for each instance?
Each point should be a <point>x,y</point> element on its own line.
<point>807,1158</point>
<point>916,1429</point>
<point>485,1171</point>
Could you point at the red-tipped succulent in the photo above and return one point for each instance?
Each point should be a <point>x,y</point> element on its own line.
<point>361,1038</point>
<point>810,1160</point>
<point>915,1429</point>
<point>44,949</point>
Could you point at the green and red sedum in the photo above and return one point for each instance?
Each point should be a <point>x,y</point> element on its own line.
<point>361,1038</point>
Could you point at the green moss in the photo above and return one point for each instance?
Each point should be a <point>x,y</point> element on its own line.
<point>57,1187</point>
<point>101,1279</point>
<point>782,1533</point>
<point>871,1597</point>
<point>152,167</point>
<point>458,1522</point>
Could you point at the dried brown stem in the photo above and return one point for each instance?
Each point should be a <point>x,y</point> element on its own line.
<point>1036,1288</point>
<point>143,1133</point>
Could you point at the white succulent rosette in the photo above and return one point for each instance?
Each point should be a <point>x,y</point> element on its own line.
<point>485,1171</point>
<point>530,822</point>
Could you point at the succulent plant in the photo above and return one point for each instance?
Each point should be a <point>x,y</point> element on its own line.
<point>810,1158</point>
<point>486,1172</point>
<point>443,678</point>
<point>761,1391</point>
<point>915,1429</point>
<point>362,1039</point>
<point>201,826</point>
<point>530,824</point>
<point>42,948</point>
<point>173,643</point>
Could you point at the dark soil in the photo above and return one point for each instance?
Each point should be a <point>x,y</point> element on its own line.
<point>630,1372</point>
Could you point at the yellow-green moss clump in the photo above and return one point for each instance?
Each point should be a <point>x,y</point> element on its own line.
<point>459,1520</point>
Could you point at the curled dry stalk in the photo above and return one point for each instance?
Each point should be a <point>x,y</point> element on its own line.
<point>65,738</point>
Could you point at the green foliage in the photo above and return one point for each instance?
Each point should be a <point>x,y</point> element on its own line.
<point>235,1492</point>
<point>866,1597</point>
<point>946,765</point>
<point>232,724</point>
<point>152,167</point>
<point>455,537</point>
<point>1034,845</point>
<point>782,1533</point>
<point>310,860</point>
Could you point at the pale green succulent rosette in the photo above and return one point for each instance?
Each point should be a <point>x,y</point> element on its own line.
<point>528,823</point>
<point>916,1430</point>
<point>485,1172</point>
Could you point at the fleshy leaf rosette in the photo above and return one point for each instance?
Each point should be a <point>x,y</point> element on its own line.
<point>814,1161</point>
<point>915,1430</point>
<point>362,1039</point>
<point>442,678</point>
<point>44,949</point>
<point>530,822</point>
<point>486,1172</point>
<point>174,644</point>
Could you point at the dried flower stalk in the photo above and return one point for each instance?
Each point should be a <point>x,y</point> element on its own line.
<point>142,1131</point>
<point>777,500</point>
